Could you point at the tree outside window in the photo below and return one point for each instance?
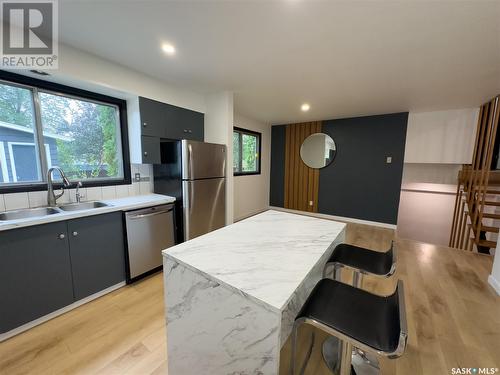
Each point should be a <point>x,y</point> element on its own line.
<point>246,152</point>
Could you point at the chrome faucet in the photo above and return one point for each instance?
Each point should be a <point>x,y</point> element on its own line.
<point>51,196</point>
<point>78,194</point>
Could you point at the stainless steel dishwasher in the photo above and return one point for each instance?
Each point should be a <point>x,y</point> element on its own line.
<point>149,231</point>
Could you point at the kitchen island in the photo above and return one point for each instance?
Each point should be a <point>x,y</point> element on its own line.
<point>232,295</point>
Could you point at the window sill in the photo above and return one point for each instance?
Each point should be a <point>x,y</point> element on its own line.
<point>246,174</point>
<point>40,186</point>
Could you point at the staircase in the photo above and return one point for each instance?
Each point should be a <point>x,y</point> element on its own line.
<point>476,217</point>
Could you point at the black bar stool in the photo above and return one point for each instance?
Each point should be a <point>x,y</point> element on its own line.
<point>361,262</point>
<point>372,323</point>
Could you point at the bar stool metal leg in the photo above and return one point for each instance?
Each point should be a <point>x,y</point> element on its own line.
<point>294,346</point>
<point>332,351</point>
<point>357,279</point>
<point>293,351</point>
<point>345,358</point>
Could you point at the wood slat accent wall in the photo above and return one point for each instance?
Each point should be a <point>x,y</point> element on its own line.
<point>301,182</point>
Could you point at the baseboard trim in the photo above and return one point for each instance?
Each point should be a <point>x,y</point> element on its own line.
<point>52,315</point>
<point>336,218</point>
<point>494,284</point>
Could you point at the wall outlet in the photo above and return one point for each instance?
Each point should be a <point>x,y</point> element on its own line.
<point>137,177</point>
<point>388,159</point>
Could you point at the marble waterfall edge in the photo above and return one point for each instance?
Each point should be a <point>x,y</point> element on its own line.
<point>213,329</point>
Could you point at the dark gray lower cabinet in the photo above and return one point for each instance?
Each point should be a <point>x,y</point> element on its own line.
<point>35,273</point>
<point>46,267</point>
<point>97,253</point>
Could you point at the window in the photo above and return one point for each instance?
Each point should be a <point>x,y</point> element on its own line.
<point>44,125</point>
<point>85,136</point>
<point>246,152</point>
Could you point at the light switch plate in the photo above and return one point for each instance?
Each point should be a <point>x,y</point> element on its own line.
<point>388,159</point>
<point>311,203</point>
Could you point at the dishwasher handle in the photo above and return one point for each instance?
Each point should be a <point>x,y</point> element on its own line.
<point>140,216</point>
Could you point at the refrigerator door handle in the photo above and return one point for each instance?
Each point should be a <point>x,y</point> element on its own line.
<point>186,203</point>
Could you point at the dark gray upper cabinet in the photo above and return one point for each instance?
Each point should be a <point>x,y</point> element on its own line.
<point>153,116</point>
<point>168,121</point>
<point>35,273</point>
<point>150,150</point>
<point>184,124</point>
<point>97,253</point>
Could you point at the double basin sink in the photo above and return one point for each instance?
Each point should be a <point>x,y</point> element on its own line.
<point>46,211</point>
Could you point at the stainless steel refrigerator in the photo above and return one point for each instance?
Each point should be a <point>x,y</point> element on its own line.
<point>195,173</point>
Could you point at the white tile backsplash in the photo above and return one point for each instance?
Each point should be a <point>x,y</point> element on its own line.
<point>93,194</point>
<point>121,191</point>
<point>37,198</point>
<point>134,168</point>
<point>134,189</point>
<point>108,192</point>
<point>145,187</point>
<point>16,201</point>
<point>145,170</point>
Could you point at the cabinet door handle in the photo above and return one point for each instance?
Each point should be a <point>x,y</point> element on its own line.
<point>61,236</point>
<point>75,233</point>
<point>145,153</point>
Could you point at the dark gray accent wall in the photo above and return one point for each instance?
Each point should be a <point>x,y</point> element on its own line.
<point>359,183</point>
<point>277,193</point>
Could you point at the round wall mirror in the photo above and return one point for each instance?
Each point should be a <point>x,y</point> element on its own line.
<point>318,150</point>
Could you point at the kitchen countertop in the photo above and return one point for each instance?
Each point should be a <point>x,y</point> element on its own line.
<point>266,256</point>
<point>232,295</point>
<point>119,204</point>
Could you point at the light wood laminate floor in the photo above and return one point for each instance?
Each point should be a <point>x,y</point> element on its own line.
<point>453,318</point>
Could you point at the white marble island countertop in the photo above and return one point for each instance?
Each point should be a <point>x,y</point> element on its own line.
<point>232,295</point>
<point>266,256</point>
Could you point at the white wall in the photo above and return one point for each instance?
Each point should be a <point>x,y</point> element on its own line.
<point>219,129</point>
<point>251,193</point>
<point>426,214</point>
<point>437,143</point>
<point>441,136</point>
<point>86,71</point>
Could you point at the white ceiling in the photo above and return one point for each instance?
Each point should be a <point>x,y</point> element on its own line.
<point>344,58</point>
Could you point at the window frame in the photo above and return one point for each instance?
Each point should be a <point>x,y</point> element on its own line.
<point>10,148</point>
<point>37,85</point>
<point>259,159</point>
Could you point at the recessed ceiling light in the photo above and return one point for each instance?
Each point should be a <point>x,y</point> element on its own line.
<point>305,107</point>
<point>168,48</point>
